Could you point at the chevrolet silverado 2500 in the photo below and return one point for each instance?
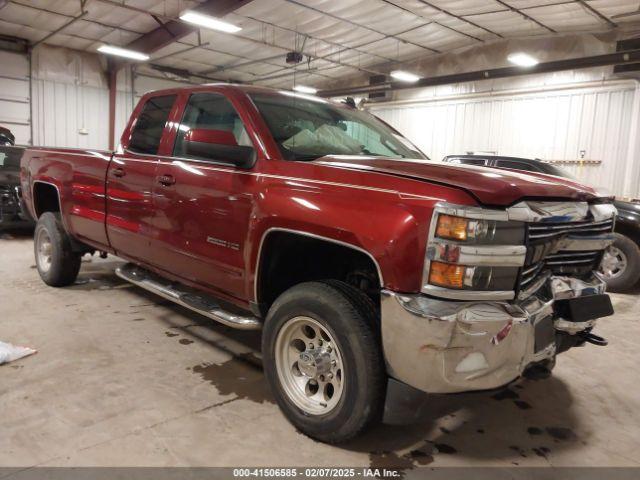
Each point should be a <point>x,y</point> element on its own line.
<point>319,224</point>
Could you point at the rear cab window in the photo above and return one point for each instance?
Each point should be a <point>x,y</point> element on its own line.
<point>514,165</point>
<point>468,161</point>
<point>150,124</point>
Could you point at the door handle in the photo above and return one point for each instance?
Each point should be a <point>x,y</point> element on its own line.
<point>166,180</point>
<point>119,172</point>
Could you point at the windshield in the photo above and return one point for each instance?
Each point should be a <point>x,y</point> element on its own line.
<point>306,128</point>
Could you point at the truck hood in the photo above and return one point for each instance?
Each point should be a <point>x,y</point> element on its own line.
<point>488,186</point>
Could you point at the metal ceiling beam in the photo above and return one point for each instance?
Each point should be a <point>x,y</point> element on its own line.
<point>174,30</point>
<point>159,38</point>
<point>618,58</point>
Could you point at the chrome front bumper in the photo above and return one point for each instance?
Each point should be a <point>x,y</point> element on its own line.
<point>442,346</point>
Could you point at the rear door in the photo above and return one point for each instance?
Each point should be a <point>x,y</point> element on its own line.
<point>131,179</point>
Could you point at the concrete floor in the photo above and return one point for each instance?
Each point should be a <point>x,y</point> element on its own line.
<point>123,378</point>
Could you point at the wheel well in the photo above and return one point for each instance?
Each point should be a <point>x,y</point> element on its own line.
<point>45,198</point>
<point>289,258</point>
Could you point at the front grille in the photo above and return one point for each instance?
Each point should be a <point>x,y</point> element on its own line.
<point>538,231</point>
<point>542,238</point>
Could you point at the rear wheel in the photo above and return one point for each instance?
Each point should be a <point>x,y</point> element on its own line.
<point>58,265</point>
<point>620,264</point>
<point>323,360</point>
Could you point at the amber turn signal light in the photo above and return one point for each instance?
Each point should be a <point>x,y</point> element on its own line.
<point>446,275</point>
<point>452,227</point>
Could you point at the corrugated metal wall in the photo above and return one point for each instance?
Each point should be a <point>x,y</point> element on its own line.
<point>68,115</point>
<point>14,95</point>
<point>561,124</point>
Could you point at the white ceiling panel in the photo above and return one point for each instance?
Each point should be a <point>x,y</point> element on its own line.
<point>388,18</point>
<point>342,38</point>
<point>509,23</point>
<point>393,49</point>
<point>469,7</point>
<point>565,17</point>
<point>610,8</point>
<point>436,37</point>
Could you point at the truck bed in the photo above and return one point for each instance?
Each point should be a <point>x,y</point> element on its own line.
<point>79,178</point>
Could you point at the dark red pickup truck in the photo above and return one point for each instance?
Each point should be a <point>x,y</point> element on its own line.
<point>357,256</point>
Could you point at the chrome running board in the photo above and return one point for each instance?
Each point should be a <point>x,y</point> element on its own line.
<point>187,297</point>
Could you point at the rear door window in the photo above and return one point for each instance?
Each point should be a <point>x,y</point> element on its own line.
<point>150,125</point>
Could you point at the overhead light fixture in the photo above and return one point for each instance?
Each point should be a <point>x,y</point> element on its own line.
<point>405,76</point>
<point>305,89</point>
<point>123,52</point>
<point>522,59</point>
<point>209,22</point>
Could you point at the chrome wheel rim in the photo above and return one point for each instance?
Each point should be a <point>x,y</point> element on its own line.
<point>309,365</point>
<point>614,262</point>
<point>44,250</point>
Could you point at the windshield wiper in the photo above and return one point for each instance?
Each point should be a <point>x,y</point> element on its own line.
<point>306,158</point>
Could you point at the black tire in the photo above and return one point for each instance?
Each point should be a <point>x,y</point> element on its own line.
<point>350,318</point>
<point>625,279</point>
<point>60,268</point>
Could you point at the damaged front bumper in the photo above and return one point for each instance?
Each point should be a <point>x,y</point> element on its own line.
<point>442,346</point>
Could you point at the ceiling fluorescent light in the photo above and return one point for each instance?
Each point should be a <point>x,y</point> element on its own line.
<point>305,89</point>
<point>522,59</point>
<point>405,76</point>
<point>123,52</point>
<point>209,22</point>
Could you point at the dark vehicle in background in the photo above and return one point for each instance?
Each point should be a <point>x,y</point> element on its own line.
<point>621,261</point>
<point>6,137</point>
<point>12,211</point>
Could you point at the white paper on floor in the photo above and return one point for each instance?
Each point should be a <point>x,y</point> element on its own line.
<point>9,353</point>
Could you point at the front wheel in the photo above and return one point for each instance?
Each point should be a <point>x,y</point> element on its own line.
<point>620,264</point>
<point>57,263</point>
<point>323,360</point>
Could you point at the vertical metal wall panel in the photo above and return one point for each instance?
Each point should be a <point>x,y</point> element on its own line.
<point>67,115</point>
<point>14,95</point>
<point>549,124</point>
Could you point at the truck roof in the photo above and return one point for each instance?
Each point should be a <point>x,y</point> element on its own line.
<point>241,87</point>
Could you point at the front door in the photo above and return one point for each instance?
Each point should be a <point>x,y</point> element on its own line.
<point>204,204</point>
<point>130,181</point>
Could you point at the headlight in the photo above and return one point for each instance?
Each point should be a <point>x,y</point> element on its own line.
<point>472,230</point>
<point>458,228</point>
<point>478,277</point>
<point>473,253</point>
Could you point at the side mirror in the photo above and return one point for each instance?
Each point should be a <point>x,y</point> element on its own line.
<point>218,145</point>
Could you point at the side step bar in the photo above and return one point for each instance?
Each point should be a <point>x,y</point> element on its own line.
<point>189,298</point>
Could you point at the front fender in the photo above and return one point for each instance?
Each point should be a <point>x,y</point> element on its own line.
<point>391,230</point>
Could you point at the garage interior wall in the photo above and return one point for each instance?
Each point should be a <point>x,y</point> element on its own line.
<point>70,104</point>
<point>14,95</point>
<point>563,117</point>
<point>576,115</point>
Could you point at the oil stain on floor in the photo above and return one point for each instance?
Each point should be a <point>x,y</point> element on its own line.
<point>242,376</point>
